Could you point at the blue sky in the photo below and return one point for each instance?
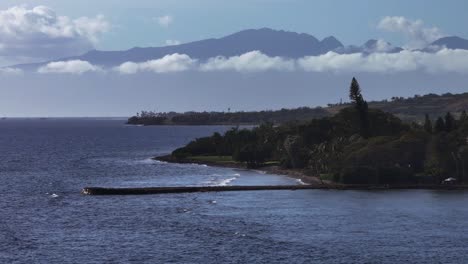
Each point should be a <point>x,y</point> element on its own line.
<point>353,22</point>
<point>82,89</point>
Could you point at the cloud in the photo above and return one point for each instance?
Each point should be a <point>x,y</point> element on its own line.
<point>128,68</point>
<point>165,21</point>
<point>443,61</point>
<point>10,71</point>
<point>169,63</point>
<point>42,34</point>
<point>419,35</point>
<point>172,42</point>
<point>253,61</point>
<point>71,66</point>
<point>382,46</point>
<point>357,62</point>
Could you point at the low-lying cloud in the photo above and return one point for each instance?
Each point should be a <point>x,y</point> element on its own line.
<point>169,63</point>
<point>10,71</point>
<point>71,67</point>
<point>253,61</point>
<point>442,61</point>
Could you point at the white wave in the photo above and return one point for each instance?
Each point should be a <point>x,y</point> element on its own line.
<point>54,195</point>
<point>196,164</point>
<point>148,161</point>
<point>123,161</point>
<point>301,182</point>
<point>220,180</point>
<point>226,181</point>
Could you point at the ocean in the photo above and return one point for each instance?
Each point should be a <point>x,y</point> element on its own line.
<point>44,164</point>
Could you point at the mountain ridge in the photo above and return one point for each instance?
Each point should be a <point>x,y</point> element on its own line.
<point>275,43</point>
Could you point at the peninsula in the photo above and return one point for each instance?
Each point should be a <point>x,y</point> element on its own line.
<point>357,145</point>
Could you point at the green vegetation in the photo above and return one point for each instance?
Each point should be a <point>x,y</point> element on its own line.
<point>215,159</point>
<point>147,118</point>
<point>223,118</point>
<point>407,109</point>
<point>357,145</point>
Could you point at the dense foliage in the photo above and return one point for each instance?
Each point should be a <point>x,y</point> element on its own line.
<point>357,145</point>
<point>408,109</point>
<point>211,118</point>
<point>147,119</point>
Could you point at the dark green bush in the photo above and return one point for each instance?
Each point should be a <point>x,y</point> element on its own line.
<point>359,175</point>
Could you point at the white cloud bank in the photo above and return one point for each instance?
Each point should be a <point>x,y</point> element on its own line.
<point>42,34</point>
<point>10,71</point>
<point>169,63</point>
<point>71,66</point>
<point>442,61</point>
<point>419,35</point>
<point>253,61</point>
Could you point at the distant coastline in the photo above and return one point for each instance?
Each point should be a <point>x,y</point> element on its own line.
<point>411,109</point>
<point>306,179</point>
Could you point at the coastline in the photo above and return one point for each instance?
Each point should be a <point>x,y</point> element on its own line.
<point>299,175</point>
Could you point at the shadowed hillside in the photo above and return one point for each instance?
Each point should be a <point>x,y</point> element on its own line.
<point>357,145</point>
<point>407,109</point>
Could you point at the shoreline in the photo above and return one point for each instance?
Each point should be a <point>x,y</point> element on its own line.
<point>299,175</point>
<point>312,181</point>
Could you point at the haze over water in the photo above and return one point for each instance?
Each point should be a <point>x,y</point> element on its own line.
<point>44,218</point>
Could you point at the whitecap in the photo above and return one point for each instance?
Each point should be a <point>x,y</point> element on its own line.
<point>301,182</point>
<point>148,161</point>
<point>226,181</point>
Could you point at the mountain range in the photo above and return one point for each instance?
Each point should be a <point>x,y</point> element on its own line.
<point>268,41</point>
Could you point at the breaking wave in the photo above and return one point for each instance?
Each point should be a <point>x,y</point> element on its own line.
<point>220,180</point>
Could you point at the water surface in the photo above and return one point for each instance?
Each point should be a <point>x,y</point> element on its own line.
<point>44,219</point>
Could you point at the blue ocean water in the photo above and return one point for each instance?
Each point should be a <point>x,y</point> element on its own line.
<point>44,218</point>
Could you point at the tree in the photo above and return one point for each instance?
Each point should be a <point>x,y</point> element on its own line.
<point>251,153</point>
<point>364,117</point>
<point>427,124</point>
<point>355,92</point>
<point>463,117</point>
<point>449,122</point>
<point>439,125</point>
<point>362,107</point>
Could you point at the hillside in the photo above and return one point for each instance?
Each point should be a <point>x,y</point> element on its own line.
<point>416,107</point>
<point>407,109</point>
<point>357,145</point>
<point>268,41</point>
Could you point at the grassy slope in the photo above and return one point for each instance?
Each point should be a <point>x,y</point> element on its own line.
<point>408,109</point>
<point>414,109</point>
<point>213,159</point>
